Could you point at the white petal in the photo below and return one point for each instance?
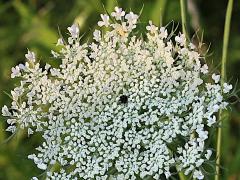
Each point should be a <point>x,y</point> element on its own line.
<point>74,30</point>
<point>42,166</point>
<point>30,56</point>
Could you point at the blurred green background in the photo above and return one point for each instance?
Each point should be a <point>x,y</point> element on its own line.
<point>34,24</point>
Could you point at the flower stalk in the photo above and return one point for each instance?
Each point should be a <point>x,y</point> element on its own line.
<point>223,79</point>
<point>182,176</point>
<point>183,16</point>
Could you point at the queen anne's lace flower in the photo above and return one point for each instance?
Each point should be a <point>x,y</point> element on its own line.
<point>30,56</point>
<point>151,27</point>
<point>74,31</point>
<point>121,107</point>
<point>15,72</point>
<point>181,39</point>
<point>97,35</point>
<point>118,14</point>
<point>226,87</point>
<point>60,42</point>
<point>216,78</point>
<point>105,20</point>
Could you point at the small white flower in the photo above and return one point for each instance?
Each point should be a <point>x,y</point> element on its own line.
<point>30,56</point>
<point>215,108</point>
<point>199,162</point>
<point>42,166</point>
<point>167,174</point>
<point>204,69</point>
<point>216,78</point>
<point>5,111</point>
<point>70,40</point>
<point>227,87</point>
<point>97,35</point>
<point>208,154</point>
<point>15,95</point>
<point>192,46</point>
<point>11,129</point>
<point>47,66</point>
<point>105,20</point>
<point>30,131</point>
<point>132,18</point>
<point>198,174</point>
<point>202,134</point>
<point>21,66</point>
<point>15,72</point>
<point>74,30</point>
<point>181,40</point>
<point>151,28</point>
<point>211,121</point>
<point>34,178</point>
<point>163,33</point>
<point>55,54</point>
<point>60,42</point>
<point>118,14</point>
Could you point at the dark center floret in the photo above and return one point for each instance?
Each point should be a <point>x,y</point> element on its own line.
<point>123,99</point>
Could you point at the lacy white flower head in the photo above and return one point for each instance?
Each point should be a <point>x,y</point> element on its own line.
<point>120,107</point>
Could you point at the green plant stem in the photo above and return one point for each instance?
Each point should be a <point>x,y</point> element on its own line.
<point>183,16</point>
<point>181,176</point>
<point>223,79</point>
<point>110,5</point>
<point>158,12</point>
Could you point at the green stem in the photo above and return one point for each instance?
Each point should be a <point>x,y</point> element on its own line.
<point>223,79</point>
<point>181,176</point>
<point>110,5</point>
<point>183,16</point>
<point>158,12</point>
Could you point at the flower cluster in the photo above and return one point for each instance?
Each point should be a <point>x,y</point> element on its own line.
<point>121,107</point>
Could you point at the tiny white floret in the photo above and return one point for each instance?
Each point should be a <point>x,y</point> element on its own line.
<point>105,20</point>
<point>74,31</point>
<point>30,56</point>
